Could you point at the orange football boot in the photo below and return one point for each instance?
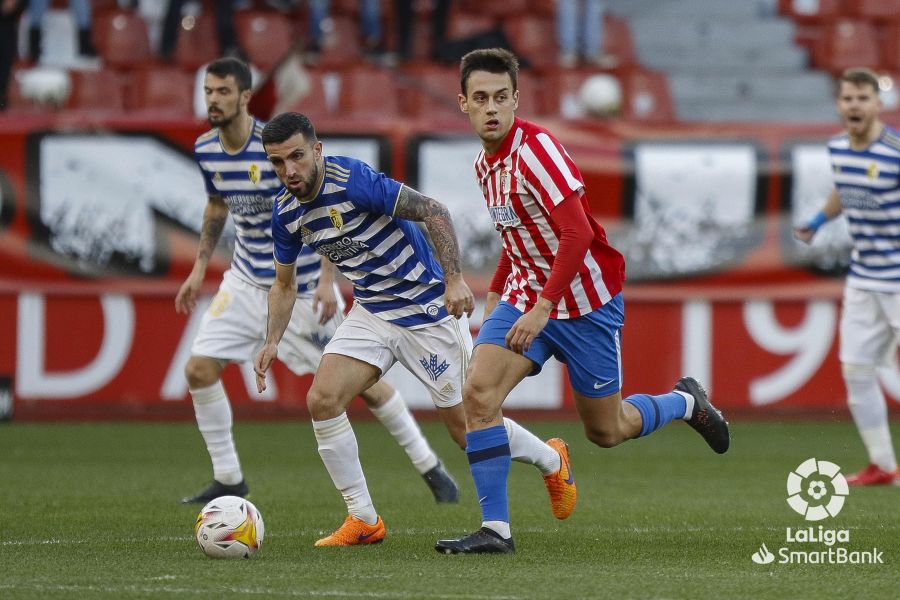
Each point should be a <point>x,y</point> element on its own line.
<point>561,485</point>
<point>353,532</point>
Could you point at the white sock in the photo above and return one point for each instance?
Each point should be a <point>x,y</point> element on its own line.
<point>395,416</point>
<point>869,410</point>
<point>340,453</point>
<point>526,447</point>
<point>688,405</point>
<point>213,412</point>
<point>501,527</point>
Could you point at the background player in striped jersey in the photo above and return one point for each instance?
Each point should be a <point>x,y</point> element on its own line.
<point>556,292</point>
<point>866,165</point>
<point>240,180</point>
<point>408,307</point>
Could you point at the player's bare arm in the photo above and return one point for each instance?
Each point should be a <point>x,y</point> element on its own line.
<point>282,295</point>
<point>413,206</point>
<point>830,210</point>
<point>214,216</point>
<point>324,296</point>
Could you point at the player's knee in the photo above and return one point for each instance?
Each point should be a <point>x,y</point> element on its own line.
<point>479,399</point>
<point>860,373</point>
<point>200,373</point>
<point>605,436</point>
<point>323,404</point>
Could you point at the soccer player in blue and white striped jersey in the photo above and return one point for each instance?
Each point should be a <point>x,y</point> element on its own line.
<point>866,165</point>
<point>240,181</point>
<point>411,303</point>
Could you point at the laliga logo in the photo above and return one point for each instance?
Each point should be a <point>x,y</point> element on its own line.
<point>817,489</point>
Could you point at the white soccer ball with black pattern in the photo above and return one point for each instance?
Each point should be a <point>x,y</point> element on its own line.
<point>229,527</point>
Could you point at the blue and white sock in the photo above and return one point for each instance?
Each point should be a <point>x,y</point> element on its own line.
<point>656,411</point>
<point>489,461</point>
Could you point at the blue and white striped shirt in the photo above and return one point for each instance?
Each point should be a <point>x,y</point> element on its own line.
<point>388,260</point>
<point>868,183</point>
<point>248,184</point>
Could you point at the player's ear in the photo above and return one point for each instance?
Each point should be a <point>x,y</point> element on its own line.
<point>317,150</point>
<point>516,100</point>
<point>463,105</point>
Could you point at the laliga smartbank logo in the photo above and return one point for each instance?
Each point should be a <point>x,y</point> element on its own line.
<point>816,490</point>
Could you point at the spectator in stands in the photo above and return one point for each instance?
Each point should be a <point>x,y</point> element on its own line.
<point>81,10</point>
<point>224,12</point>
<point>403,10</point>
<point>10,10</point>
<point>370,22</point>
<point>579,33</point>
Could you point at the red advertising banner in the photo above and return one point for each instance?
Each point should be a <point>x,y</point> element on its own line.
<point>99,221</point>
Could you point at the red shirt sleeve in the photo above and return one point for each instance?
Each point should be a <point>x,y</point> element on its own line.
<point>504,268</point>
<point>575,236</point>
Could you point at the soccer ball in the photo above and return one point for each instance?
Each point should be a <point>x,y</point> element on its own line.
<point>601,95</point>
<point>229,527</point>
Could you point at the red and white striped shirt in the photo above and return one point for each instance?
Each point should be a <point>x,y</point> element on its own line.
<point>528,176</point>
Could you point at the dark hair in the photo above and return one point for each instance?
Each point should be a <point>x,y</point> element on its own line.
<point>287,125</point>
<point>859,77</point>
<point>223,67</point>
<point>492,60</point>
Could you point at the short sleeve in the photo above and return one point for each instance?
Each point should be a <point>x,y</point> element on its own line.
<point>207,177</point>
<point>286,245</point>
<point>373,191</point>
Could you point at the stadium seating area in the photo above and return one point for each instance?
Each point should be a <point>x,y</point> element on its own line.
<point>132,79</point>
<point>679,60</point>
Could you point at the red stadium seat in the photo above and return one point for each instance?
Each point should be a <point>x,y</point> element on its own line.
<point>463,25</point>
<point>646,96</point>
<point>167,90</point>
<point>873,9</point>
<point>543,7</point>
<point>340,46</point>
<point>533,38</point>
<point>368,92</point>
<point>431,91</point>
<point>265,36</point>
<point>97,91</point>
<point>531,98</point>
<point>847,43</point>
<point>197,43</point>
<point>804,11</point>
<point>315,103</point>
<point>121,38</point>
<point>617,40</point>
<point>890,45</point>
<point>503,9</point>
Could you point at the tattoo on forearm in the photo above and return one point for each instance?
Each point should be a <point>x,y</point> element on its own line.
<point>209,235</point>
<point>413,206</point>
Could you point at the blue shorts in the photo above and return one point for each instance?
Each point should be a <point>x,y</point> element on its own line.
<point>588,345</point>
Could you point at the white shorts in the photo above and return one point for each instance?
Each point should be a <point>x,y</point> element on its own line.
<point>438,355</point>
<point>870,322</point>
<point>234,327</point>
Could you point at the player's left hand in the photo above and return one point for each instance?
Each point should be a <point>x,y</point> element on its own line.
<point>526,328</point>
<point>458,298</point>
<point>324,299</point>
<point>261,363</point>
<point>804,234</point>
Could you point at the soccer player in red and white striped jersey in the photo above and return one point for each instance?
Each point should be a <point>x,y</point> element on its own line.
<point>557,292</point>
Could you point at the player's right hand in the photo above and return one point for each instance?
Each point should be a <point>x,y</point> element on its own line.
<point>261,364</point>
<point>186,299</point>
<point>804,233</point>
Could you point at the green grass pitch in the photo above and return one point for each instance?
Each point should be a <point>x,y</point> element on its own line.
<point>90,511</point>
